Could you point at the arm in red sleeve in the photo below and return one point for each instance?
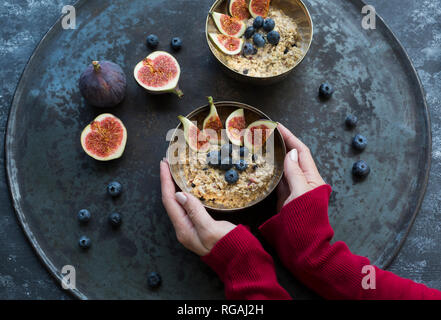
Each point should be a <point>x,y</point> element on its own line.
<point>301,234</point>
<point>245,268</point>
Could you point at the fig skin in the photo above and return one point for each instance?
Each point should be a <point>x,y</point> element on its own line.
<point>103,84</point>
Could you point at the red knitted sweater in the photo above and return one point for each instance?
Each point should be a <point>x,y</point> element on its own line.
<point>301,234</point>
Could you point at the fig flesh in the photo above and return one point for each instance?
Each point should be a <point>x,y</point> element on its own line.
<point>235,126</point>
<point>159,73</point>
<point>104,138</point>
<point>212,125</point>
<point>257,133</point>
<point>239,9</point>
<point>229,26</point>
<point>226,44</point>
<point>259,8</point>
<point>103,84</point>
<point>196,139</point>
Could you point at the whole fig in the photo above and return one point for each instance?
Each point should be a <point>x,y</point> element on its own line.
<point>103,84</point>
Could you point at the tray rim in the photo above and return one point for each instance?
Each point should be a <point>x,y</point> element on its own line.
<point>10,162</point>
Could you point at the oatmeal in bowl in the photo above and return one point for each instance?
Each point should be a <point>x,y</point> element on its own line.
<point>259,45</point>
<point>235,171</point>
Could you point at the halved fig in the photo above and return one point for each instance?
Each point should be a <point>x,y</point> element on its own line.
<point>226,44</point>
<point>159,73</point>
<point>104,138</point>
<point>257,133</point>
<point>239,9</point>
<point>212,126</point>
<point>196,139</point>
<point>259,8</point>
<point>235,126</point>
<point>229,26</point>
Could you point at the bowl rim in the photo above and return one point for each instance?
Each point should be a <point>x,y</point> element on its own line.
<point>239,105</point>
<point>212,47</point>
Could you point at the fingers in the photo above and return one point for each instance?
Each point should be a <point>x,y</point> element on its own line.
<point>195,211</point>
<point>294,175</point>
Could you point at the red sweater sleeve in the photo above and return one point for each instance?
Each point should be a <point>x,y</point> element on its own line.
<point>245,268</point>
<point>301,234</point>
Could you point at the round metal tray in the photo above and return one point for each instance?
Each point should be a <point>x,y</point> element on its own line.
<point>51,178</point>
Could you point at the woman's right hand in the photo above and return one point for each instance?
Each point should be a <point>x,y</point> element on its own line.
<point>300,172</point>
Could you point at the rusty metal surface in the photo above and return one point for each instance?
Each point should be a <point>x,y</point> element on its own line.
<point>51,178</point>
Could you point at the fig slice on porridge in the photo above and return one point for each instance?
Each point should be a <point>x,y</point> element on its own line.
<point>194,137</point>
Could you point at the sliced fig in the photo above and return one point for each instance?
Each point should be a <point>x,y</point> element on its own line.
<point>159,73</point>
<point>239,9</point>
<point>235,126</point>
<point>259,8</point>
<point>104,138</point>
<point>212,126</point>
<point>226,44</point>
<point>196,139</point>
<point>229,26</point>
<point>257,133</point>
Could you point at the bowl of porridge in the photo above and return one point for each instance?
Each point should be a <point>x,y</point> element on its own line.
<point>270,62</point>
<point>246,178</point>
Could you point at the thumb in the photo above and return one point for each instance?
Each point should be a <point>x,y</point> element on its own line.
<point>195,210</point>
<point>294,175</point>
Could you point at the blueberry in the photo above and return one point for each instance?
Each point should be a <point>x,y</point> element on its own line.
<point>258,22</point>
<point>213,158</point>
<point>259,40</point>
<point>115,219</point>
<point>326,90</point>
<point>152,41</point>
<point>231,176</point>
<point>226,163</point>
<point>226,150</point>
<point>243,151</point>
<point>268,24</point>
<point>360,169</point>
<point>242,165</point>
<point>176,43</point>
<point>84,215</point>
<point>249,32</point>
<point>154,280</point>
<point>273,37</point>
<point>351,121</point>
<point>359,142</point>
<point>84,242</point>
<point>114,188</point>
<point>248,49</point>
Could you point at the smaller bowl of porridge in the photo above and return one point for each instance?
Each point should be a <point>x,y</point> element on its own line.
<point>228,154</point>
<point>259,41</point>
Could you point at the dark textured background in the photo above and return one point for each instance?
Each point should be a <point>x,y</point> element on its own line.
<point>417,26</point>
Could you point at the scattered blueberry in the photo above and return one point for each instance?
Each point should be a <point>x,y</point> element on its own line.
<point>326,90</point>
<point>242,165</point>
<point>115,219</point>
<point>248,49</point>
<point>268,24</point>
<point>258,22</point>
<point>243,151</point>
<point>360,169</point>
<point>226,149</point>
<point>359,142</point>
<point>84,215</point>
<point>176,43</point>
<point>84,242</point>
<point>154,280</point>
<point>273,37</point>
<point>249,32</point>
<point>152,41</point>
<point>114,188</point>
<point>213,158</point>
<point>231,176</point>
<point>259,40</point>
<point>193,185</point>
<point>351,121</point>
<point>226,163</point>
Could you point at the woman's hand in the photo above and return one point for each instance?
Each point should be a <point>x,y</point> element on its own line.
<point>300,172</point>
<point>195,228</point>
